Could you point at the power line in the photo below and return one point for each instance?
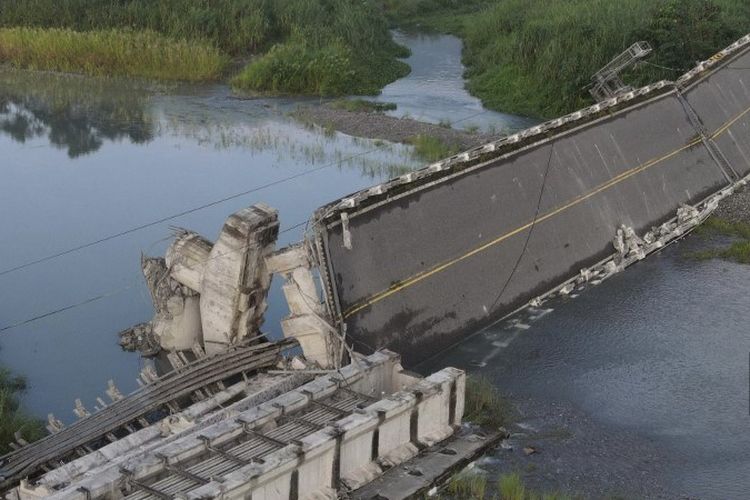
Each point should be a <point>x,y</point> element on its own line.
<point>183,213</point>
<point>178,215</point>
<point>112,293</point>
<point>531,230</point>
<point>106,295</point>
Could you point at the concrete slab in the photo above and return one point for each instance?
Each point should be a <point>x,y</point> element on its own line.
<point>432,467</point>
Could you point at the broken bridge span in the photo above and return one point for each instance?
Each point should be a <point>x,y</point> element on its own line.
<point>412,265</point>
<point>417,263</point>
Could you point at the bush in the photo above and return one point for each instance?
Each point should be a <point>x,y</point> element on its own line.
<point>536,58</point>
<point>12,419</point>
<point>343,35</point>
<point>484,405</point>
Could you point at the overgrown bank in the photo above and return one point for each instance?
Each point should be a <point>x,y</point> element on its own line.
<point>536,58</point>
<point>320,47</point>
<point>13,422</point>
<point>111,52</point>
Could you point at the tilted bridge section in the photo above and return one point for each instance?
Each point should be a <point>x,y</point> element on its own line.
<point>419,262</point>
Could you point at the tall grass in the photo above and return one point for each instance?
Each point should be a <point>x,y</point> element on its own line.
<point>319,46</point>
<point>12,419</point>
<point>429,148</point>
<point>536,57</point>
<point>511,487</point>
<point>112,52</point>
<point>484,404</point>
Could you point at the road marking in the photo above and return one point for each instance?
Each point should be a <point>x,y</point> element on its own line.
<point>373,299</point>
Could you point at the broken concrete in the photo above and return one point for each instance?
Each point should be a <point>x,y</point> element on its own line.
<point>212,295</point>
<point>323,438</point>
<point>423,475</point>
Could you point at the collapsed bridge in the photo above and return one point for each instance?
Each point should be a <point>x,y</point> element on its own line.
<point>412,265</point>
<point>419,262</point>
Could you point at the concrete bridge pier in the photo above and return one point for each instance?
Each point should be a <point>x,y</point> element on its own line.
<point>211,294</point>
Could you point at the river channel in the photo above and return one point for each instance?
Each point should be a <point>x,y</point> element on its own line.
<point>638,387</point>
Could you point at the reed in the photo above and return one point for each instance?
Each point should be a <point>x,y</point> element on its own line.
<point>12,419</point>
<point>111,52</point>
<point>345,46</point>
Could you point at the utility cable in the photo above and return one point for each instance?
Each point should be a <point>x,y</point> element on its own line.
<point>112,293</point>
<point>180,214</point>
<point>189,211</point>
<point>531,230</point>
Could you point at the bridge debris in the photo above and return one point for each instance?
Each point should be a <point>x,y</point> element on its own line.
<point>277,439</point>
<point>206,293</point>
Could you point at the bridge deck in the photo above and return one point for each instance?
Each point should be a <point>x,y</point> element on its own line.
<point>90,432</point>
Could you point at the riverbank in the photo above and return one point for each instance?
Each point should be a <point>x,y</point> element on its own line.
<point>536,58</point>
<point>14,423</point>
<point>432,141</point>
<point>143,54</point>
<point>305,47</point>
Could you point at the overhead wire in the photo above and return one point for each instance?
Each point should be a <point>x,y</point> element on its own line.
<point>177,215</point>
<point>531,231</point>
<point>112,293</point>
<point>162,220</point>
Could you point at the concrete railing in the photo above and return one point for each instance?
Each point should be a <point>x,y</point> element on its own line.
<point>399,414</point>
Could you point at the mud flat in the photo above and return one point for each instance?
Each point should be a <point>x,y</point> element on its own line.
<point>373,125</point>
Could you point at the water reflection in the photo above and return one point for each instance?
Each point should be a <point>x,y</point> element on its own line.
<point>73,113</point>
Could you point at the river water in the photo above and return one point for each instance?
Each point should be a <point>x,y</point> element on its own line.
<point>642,380</point>
<point>82,159</point>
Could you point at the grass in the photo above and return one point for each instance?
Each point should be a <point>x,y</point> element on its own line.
<point>718,226</point>
<point>12,419</point>
<point>472,485</point>
<point>430,149</point>
<point>484,405</point>
<point>318,47</point>
<point>738,251</point>
<point>363,106</point>
<point>536,58</point>
<point>468,485</point>
<point>111,52</point>
<point>511,487</point>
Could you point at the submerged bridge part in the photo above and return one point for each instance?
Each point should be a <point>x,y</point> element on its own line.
<point>418,262</point>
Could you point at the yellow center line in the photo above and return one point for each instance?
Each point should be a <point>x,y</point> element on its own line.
<point>575,201</point>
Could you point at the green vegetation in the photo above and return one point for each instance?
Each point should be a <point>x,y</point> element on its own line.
<point>429,148</point>
<point>472,485</point>
<point>719,226</point>
<point>113,52</point>
<point>511,487</point>
<point>738,251</point>
<point>320,47</point>
<point>12,419</point>
<point>536,57</point>
<point>484,404</point>
<point>363,106</point>
<point>467,485</point>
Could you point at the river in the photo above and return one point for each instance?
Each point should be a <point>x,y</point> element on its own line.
<point>84,159</point>
<point>638,387</point>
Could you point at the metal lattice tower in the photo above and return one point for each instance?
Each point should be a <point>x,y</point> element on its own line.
<point>607,81</point>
